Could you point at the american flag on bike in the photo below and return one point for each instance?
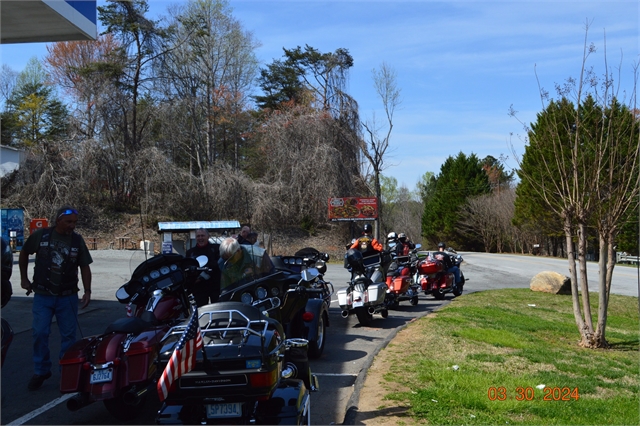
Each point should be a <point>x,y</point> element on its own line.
<point>183,358</point>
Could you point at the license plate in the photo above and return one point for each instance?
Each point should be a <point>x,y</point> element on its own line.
<point>231,409</point>
<point>101,376</point>
<point>358,304</point>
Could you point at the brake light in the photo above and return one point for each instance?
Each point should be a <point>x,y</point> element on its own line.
<point>259,380</point>
<point>308,316</point>
<point>117,361</point>
<point>86,366</point>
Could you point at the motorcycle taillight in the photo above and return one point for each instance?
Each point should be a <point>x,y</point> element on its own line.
<point>259,380</point>
<point>308,316</point>
<point>129,310</point>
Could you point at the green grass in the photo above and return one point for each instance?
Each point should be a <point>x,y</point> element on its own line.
<point>502,346</point>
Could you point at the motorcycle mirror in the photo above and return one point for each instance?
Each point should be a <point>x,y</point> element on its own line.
<point>418,246</point>
<point>202,260</point>
<point>122,295</point>
<point>310,274</point>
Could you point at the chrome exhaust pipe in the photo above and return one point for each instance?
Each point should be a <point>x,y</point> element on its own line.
<point>344,314</point>
<point>78,401</point>
<point>371,310</point>
<point>133,397</point>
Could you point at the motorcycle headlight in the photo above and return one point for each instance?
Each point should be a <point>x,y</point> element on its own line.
<point>246,298</point>
<point>261,292</point>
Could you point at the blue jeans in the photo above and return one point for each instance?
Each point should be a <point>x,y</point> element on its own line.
<point>456,273</point>
<point>65,309</point>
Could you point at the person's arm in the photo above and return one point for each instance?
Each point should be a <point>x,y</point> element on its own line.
<point>85,273</point>
<point>355,244</point>
<point>23,263</point>
<point>376,245</point>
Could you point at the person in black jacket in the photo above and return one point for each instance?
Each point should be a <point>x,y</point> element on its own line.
<point>207,287</point>
<point>7,269</point>
<point>445,258</point>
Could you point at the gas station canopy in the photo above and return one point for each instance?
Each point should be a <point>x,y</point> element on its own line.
<point>36,21</point>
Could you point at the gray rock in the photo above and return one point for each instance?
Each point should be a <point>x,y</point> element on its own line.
<point>551,282</point>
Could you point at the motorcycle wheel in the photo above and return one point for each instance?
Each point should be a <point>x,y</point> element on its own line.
<point>317,346</point>
<point>438,295</point>
<point>414,300</point>
<point>364,317</point>
<point>457,290</point>
<point>123,411</point>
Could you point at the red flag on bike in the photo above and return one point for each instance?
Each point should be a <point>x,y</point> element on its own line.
<point>183,358</point>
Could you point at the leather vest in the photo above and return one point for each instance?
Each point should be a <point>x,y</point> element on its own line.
<point>69,266</point>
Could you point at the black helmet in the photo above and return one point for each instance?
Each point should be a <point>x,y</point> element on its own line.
<point>402,236</point>
<point>441,245</point>
<point>367,228</point>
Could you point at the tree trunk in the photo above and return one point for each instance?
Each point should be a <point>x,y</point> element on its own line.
<point>577,314</point>
<point>584,282</point>
<point>605,265</point>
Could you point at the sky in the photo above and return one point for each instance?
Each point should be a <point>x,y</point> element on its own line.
<point>460,65</point>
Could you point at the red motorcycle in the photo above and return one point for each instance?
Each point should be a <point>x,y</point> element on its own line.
<point>433,278</point>
<point>119,366</point>
<point>401,280</point>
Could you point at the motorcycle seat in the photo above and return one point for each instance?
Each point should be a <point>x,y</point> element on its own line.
<point>128,325</point>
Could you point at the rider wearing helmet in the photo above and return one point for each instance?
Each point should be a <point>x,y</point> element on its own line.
<point>392,241</point>
<point>404,245</point>
<point>367,243</point>
<point>445,257</point>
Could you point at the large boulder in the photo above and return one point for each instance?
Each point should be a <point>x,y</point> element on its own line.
<point>551,282</point>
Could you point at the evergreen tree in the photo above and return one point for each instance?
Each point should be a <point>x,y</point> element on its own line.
<point>460,178</point>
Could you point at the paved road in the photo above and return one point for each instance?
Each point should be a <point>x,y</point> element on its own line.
<point>341,369</point>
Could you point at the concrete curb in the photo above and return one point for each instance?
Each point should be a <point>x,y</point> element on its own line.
<point>351,414</point>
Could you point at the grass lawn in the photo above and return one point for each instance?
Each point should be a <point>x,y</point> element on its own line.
<point>512,357</point>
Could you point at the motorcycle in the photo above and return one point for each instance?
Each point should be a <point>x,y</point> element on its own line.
<point>401,280</point>
<point>119,366</point>
<point>250,369</point>
<point>434,279</point>
<point>316,315</point>
<point>366,292</point>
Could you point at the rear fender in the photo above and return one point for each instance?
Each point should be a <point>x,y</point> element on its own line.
<point>107,351</point>
<point>317,307</point>
<point>287,404</point>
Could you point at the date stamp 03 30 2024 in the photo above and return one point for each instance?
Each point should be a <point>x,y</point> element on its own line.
<point>529,394</point>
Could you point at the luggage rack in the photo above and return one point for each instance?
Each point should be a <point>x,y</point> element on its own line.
<point>219,328</point>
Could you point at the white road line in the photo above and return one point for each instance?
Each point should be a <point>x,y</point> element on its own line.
<point>335,374</point>
<point>22,420</point>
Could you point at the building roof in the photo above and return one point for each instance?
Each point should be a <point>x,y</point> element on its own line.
<point>37,21</point>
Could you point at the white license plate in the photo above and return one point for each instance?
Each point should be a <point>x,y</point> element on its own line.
<point>231,409</point>
<point>101,376</point>
<point>358,304</point>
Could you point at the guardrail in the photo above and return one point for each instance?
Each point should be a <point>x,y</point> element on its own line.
<point>626,258</point>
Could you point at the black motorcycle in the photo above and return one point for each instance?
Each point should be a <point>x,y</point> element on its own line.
<point>316,316</point>
<point>250,370</point>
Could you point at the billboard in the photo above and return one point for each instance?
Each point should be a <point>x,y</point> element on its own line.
<point>353,208</point>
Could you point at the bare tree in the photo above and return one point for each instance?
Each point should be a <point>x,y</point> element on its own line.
<point>375,144</point>
<point>582,161</point>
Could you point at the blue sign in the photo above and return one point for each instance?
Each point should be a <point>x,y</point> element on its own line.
<point>167,247</point>
<point>12,224</point>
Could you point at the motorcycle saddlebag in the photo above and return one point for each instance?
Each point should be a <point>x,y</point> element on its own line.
<point>377,293</point>
<point>342,299</point>
<point>71,366</point>
<point>398,283</point>
<point>141,355</point>
<point>429,266</point>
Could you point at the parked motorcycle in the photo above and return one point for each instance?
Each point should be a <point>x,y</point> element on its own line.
<point>434,279</point>
<point>316,315</point>
<point>250,370</point>
<point>366,292</point>
<point>119,366</point>
<point>401,280</point>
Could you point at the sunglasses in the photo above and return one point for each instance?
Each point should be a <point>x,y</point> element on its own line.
<point>67,212</point>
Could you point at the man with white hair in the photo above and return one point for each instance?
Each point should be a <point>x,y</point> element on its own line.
<point>244,235</point>
<point>241,262</point>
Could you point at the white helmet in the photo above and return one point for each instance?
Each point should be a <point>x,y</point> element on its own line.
<point>392,236</point>
<point>402,236</point>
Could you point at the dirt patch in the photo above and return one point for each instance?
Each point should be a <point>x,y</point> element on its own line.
<point>373,408</point>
